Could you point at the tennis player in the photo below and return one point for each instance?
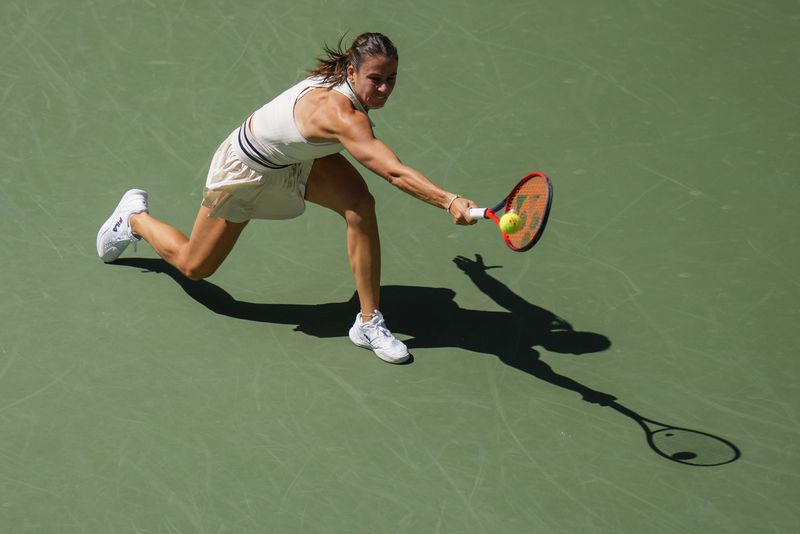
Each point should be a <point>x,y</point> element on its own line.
<point>285,153</point>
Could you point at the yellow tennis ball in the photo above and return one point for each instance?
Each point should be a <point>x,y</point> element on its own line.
<point>510,222</point>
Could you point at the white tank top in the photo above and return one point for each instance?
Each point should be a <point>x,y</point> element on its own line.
<point>269,138</point>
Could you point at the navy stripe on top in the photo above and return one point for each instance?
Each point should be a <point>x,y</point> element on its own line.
<point>249,149</point>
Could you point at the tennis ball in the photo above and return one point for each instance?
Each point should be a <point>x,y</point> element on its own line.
<point>510,223</point>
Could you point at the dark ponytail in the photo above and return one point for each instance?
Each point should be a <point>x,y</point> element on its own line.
<point>333,67</point>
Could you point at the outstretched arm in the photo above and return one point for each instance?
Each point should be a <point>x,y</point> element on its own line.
<point>353,130</point>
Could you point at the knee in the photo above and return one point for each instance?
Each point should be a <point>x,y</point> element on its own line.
<point>198,272</point>
<point>360,209</point>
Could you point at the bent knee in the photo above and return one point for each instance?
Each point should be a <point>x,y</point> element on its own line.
<point>198,272</point>
<point>360,208</point>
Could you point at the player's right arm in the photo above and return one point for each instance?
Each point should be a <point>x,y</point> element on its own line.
<point>352,128</point>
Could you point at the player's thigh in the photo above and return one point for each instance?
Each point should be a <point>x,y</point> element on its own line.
<point>337,185</point>
<point>210,242</point>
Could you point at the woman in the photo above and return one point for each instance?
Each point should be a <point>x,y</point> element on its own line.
<point>287,152</point>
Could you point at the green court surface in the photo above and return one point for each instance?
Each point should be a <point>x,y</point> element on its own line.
<point>135,401</point>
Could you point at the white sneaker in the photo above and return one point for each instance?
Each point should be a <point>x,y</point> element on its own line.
<point>374,335</point>
<point>115,235</point>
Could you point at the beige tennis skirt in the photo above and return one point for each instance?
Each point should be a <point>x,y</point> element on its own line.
<point>237,193</point>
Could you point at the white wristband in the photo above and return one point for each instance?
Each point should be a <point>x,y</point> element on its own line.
<point>449,204</point>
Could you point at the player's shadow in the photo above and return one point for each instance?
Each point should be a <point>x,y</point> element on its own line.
<point>429,315</point>
<point>432,318</point>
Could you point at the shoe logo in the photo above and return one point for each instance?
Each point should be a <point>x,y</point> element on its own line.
<point>116,226</point>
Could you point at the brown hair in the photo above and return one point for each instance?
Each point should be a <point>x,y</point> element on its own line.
<point>333,67</point>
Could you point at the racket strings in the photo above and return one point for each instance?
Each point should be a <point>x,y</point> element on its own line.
<point>530,201</point>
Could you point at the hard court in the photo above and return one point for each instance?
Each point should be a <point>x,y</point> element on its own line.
<point>665,288</point>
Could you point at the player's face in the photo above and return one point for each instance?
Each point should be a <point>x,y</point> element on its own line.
<point>374,81</point>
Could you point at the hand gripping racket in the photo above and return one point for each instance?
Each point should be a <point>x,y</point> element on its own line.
<point>530,199</point>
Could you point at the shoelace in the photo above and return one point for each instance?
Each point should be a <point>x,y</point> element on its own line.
<point>380,329</point>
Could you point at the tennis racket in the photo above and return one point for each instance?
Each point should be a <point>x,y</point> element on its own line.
<point>530,199</point>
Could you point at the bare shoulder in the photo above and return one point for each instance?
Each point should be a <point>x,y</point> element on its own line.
<point>347,115</point>
<point>329,115</point>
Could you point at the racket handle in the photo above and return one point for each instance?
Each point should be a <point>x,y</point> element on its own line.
<point>477,213</point>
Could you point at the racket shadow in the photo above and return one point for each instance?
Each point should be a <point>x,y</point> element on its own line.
<point>533,325</point>
<point>433,319</point>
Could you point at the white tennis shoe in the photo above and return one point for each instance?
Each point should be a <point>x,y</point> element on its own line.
<point>115,235</point>
<point>374,335</point>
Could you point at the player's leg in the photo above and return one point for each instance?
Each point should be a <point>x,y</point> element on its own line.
<point>337,185</point>
<point>197,256</point>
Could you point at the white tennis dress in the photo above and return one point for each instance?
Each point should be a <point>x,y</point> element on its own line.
<point>260,171</point>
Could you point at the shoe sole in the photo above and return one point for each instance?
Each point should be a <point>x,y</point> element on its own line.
<point>104,229</point>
